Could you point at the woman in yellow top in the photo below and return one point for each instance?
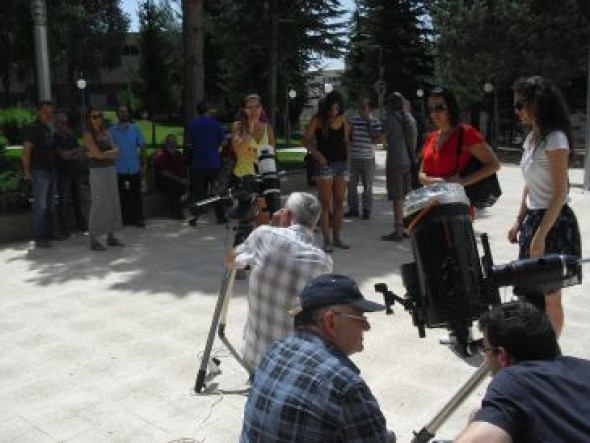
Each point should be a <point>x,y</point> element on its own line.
<point>250,135</point>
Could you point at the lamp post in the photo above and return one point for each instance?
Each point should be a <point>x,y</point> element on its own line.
<point>290,94</point>
<point>420,95</point>
<point>488,87</point>
<point>39,16</point>
<point>81,84</point>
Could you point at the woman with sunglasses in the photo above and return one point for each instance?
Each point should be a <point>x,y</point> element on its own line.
<point>443,158</point>
<point>545,224</point>
<point>252,134</point>
<point>328,141</point>
<point>105,212</point>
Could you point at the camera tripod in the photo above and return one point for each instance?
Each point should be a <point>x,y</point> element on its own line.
<point>219,320</point>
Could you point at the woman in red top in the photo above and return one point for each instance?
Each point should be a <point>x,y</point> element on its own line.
<point>440,162</point>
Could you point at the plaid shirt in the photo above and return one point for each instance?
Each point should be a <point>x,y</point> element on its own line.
<point>283,260</point>
<point>305,390</point>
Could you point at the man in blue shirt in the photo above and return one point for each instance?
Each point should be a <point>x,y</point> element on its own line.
<point>127,136</point>
<point>205,137</point>
<point>536,394</point>
<point>306,389</point>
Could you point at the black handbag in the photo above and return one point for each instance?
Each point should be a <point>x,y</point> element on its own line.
<point>484,193</point>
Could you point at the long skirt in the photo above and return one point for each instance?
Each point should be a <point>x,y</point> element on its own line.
<point>105,211</point>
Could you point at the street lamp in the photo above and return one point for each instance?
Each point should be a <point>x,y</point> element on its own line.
<point>488,87</point>
<point>420,95</point>
<point>81,84</point>
<point>290,94</point>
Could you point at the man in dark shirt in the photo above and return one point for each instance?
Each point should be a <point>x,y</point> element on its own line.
<point>205,137</point>
<point>306,389</point>
<point>70,157</point>
<point>536,394</point>
<point>39,162</point>
<point>170,175</point>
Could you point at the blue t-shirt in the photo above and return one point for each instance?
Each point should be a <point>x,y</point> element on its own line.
<point>205,135</point>
<point>129,139</point>
<point>541,401</point>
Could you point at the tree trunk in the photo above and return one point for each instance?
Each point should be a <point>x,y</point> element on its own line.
<point>194,75</point>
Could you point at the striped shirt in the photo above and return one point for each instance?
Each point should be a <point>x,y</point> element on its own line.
<point>361,145</point>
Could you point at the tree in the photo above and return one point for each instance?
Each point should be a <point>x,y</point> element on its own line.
<point>250,57</point>
<point>192,30</point>
<point>16,44</point>
<point>389,41</point>
<point>84,36</point>
<point>501,40</point>
<point>160,38</point>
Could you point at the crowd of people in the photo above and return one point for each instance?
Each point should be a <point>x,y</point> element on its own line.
<point>304,387</point>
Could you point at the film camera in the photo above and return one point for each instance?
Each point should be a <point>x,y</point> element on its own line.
<point>448,286</point>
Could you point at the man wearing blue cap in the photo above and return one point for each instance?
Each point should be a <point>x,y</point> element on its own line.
<point>306,388</point>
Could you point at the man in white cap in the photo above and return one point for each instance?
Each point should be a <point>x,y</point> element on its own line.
<point>306,388</point>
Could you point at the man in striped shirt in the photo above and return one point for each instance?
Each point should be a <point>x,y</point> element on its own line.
<point>366,131</point>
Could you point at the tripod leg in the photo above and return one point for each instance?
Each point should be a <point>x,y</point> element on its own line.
<point>228,278</point>
<point>428,431</point>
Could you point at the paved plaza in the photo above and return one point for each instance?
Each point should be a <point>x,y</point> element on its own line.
<point>105,347</point>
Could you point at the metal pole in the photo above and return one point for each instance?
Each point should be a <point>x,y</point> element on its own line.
<point>82,122</point>
<point>39,14</point>
<point>287,117</point>
<point>587,158</point>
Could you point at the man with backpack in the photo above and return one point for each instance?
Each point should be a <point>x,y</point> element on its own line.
<point>401,136</point>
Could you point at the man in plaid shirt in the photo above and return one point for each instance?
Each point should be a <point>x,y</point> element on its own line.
<point>283,259</point>
<point>306,389</point>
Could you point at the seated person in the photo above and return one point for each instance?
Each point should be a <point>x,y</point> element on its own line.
<point>536,395</point>
<point>171,175</point>
<point>306,389</point>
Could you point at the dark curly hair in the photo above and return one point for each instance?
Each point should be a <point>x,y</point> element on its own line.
<point>450,101</point>
<point>547,104</point>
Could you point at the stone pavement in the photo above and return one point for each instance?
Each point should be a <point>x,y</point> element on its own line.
<point>105,347</point>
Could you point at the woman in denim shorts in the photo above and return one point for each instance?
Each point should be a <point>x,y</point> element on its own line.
<point>327,140</point>
<point>545,224</point>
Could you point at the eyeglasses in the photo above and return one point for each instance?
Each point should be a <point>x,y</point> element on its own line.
<point>518,106</point>
<point>363,320</point>
<point>437,108</point>
<point>95,116</point>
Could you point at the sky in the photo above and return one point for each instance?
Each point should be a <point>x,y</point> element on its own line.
<point>131,7</point>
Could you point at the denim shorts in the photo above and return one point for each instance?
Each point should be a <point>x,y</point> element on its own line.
<point>331,170</point>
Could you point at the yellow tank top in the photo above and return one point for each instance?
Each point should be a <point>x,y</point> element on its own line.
<point>247,154</point>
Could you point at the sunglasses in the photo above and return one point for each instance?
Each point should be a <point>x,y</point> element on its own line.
<point>519,106</point>
<point>437,108</point>
<point>363,320</point>
<point>95,116</point>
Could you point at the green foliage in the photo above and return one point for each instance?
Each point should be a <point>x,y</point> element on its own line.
<point>13,122</point>
<point>393,36</point>
<point>11,182</point>
<point>501,40</point>
<point>161,36</point>
<point>84,36</point>
<point>16,44</point>
<point>239,39</point>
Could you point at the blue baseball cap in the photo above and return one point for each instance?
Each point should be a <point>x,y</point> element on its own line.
<point>333,289</point>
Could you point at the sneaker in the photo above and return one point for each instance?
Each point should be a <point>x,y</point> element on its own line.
<point>114,241</point>
<point>95,245</point>
<point>366,215</point>
<point>43,244</point>
<point>394,236</point>
<point>351,214</point>
<point>448,339</point>
<point>339,244</point>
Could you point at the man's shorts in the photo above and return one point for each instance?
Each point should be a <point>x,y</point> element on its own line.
<point>333,169</point>
<point>399,181</point>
